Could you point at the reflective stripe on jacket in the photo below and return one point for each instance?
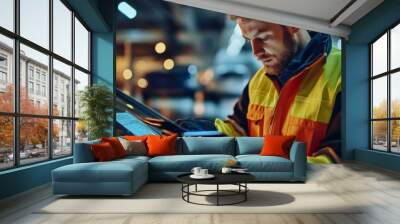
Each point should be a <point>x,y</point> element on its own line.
<point>302,107</point>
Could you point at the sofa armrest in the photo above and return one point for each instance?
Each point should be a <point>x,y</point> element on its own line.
<point>298,155</point>
<point>83,153</point>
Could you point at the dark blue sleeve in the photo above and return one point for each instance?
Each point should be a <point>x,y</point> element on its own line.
<point>333,134</point>
<point>240,109</point>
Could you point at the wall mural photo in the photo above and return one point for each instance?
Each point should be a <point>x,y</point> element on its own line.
<point>190,70</point>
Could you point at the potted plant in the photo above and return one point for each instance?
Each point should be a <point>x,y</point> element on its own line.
<point>96,110</point>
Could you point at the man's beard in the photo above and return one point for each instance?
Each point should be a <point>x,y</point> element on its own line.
<point>285,57</point>
<point>280,65</point>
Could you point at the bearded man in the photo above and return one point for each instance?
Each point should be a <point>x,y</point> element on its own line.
<point>295,93</point>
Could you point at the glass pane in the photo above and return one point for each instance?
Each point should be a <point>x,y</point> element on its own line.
<point>6,74</point>
<point>379,55</point>
<point>62,89</point>
<point>7,14</point>
<point>35,21</point>
<point>81,81</point>
<point>395,47</point>
<point>6,142</point>
<point>379,135</point>
<point>395,94</point>
<point>81,45</point>
<point>34,92</point>
<point>395,136</point>
<point>81,131</point>
<point>379,97</point>
<point>62,29</point>
<point>62,138</point>
<point>33,139</point>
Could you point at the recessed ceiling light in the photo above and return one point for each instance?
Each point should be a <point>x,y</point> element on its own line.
<point>127,10</point>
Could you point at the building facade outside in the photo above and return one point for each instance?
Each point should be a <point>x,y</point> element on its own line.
<point>34,91</point>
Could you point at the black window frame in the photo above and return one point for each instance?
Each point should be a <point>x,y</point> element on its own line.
<point>16,115</point>
<point>388,74</point>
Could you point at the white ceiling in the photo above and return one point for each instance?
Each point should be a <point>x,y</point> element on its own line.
<point>324,16</point>
<point>321,9</point>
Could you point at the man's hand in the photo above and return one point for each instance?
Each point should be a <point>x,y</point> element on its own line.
<point>328,151</point>
<point>226,127</point>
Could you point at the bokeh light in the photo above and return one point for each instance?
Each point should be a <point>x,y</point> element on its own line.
<point>192,69</point>
<point>160,47</point>
<point>169,64</point>
<point>142,83</point>
<point>127,74</point>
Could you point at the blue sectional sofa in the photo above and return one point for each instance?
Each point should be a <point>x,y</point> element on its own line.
<point>125,176</point>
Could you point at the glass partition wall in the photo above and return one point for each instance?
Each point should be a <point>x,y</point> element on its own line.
<point>44,64</point>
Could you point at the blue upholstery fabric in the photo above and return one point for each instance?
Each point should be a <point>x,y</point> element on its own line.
<point>164,176</point>
<point>167,168</point>
<point>185,163</point>
<point>298,155</point>
<point>119,177</point>
<point>206,145</point>
<point>83,152</point>
<point>273,176</point>
<point>94,172</point>
<point>128,159</point>
<point>249,145</point>
<point>99,188</point>
<point>117,170</point>
<point>257,163</point>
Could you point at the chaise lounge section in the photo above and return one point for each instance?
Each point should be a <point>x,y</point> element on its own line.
<point>125,176</point>
<point>88,177</point>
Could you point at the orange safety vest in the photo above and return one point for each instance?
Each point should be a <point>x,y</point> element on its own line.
<point>304,105</point>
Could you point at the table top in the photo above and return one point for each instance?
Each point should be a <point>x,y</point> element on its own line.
<point>220,178</point>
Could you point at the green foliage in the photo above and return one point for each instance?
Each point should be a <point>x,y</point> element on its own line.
<point>96,104</point>
<point>380,127</point>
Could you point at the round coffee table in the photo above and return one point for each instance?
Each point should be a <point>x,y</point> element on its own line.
<point>238,179</point>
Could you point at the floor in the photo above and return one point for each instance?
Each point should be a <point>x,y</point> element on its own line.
<point>378,188</point>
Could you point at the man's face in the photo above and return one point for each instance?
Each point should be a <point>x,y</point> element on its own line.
<point>272,44</point>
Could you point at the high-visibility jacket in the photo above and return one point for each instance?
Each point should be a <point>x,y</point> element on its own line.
<point>302,107</point>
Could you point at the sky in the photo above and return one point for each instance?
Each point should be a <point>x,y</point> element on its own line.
<point>395,45</point>
<point>35,27</point>
<point>379,58</point>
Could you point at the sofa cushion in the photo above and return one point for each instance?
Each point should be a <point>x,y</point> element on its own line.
<point>103,152</point>
<point>112,171</point>
<point>277,145</point>
<point>161,145</point>
<point>116,145</point>
<point>206,145</point>
<point>137,147</point>
<point>131,158</point>
<point>83,153</point>
<point>185,163</point>
<point>135,138</point>
<point>249,145</point>
<point>257,163</point>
